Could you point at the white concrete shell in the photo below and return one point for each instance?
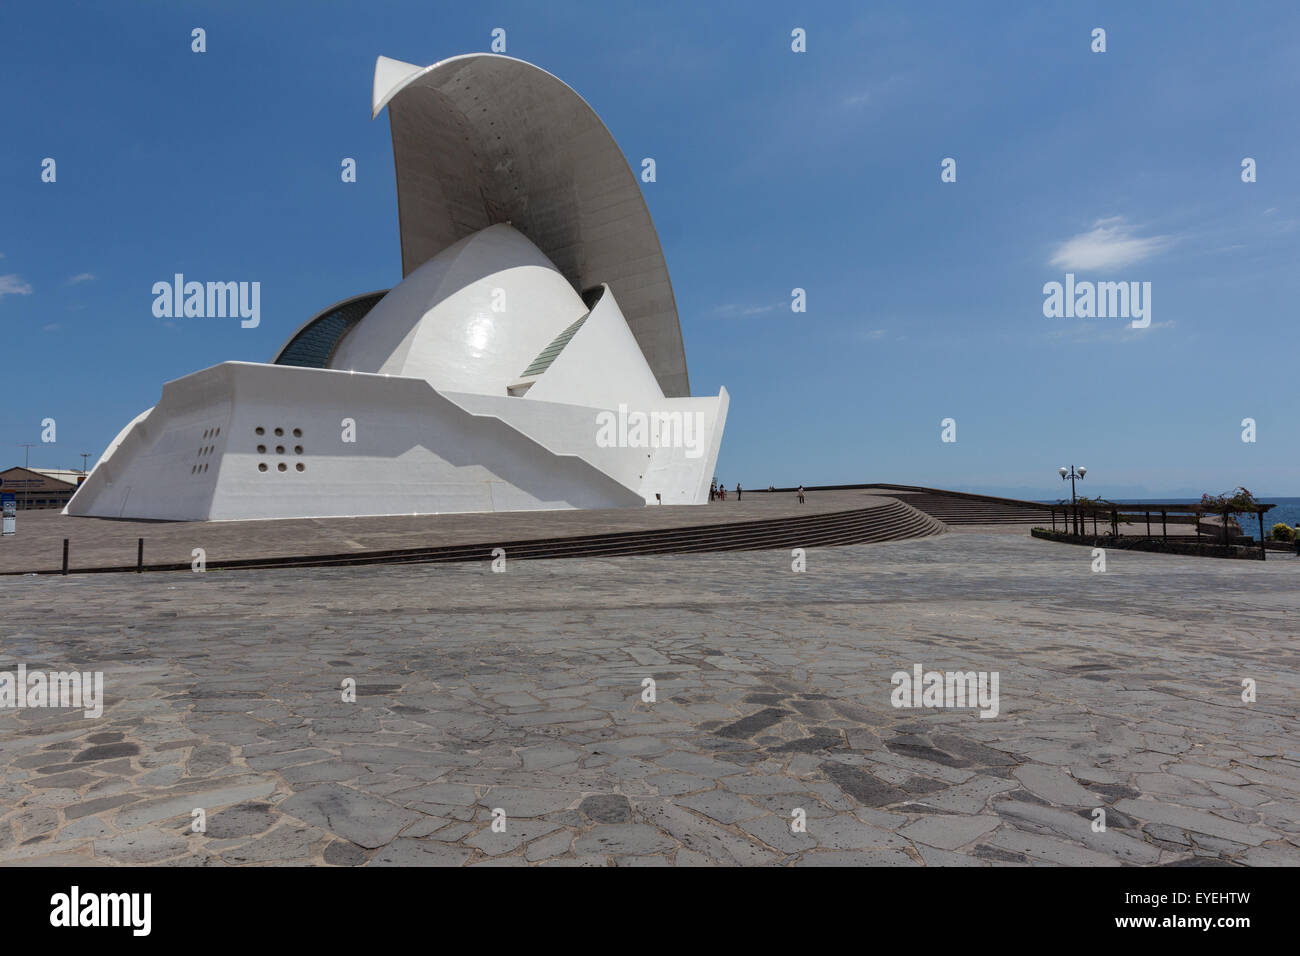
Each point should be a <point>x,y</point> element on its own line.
<point>483,381</point>
<point>470,319</point>
<point>483,139</point>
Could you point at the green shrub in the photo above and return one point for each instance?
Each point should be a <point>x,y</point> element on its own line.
<point>1281,532</point>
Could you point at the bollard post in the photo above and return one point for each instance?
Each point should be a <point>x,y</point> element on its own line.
<point>65,556</point>
<point>139,556</point>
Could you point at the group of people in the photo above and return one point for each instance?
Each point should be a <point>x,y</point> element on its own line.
<point>718,492</point>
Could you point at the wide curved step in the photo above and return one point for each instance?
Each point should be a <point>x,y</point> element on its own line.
<point>886,519</point>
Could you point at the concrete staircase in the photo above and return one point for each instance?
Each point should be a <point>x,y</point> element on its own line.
<point>953,507</point>
<point>886,519</point>
<point>953,510</point>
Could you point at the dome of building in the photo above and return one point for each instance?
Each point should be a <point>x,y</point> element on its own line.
<point>471,319</point>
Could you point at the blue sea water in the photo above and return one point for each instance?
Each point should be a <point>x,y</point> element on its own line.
<point>1287,510</point>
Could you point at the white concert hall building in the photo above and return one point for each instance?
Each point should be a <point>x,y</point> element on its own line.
<point>530,358</point>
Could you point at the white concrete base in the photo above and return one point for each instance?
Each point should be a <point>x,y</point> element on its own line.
<point>194,456</point>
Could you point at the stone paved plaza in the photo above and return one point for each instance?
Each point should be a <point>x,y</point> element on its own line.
<point>522,691</point>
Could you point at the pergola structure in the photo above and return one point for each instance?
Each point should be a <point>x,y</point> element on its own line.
<point>1113,510</point>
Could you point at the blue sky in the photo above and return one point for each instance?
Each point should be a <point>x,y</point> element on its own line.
<point>775,170</point>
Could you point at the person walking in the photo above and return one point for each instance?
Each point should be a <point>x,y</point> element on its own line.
<point>737,491</point>
<point>713,489</point>
<point>801,494</point>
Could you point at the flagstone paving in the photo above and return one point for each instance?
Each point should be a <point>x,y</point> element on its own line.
<point>517,697</point>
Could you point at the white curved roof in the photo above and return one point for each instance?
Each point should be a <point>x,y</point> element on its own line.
<point>468,320</point>
<point>483,139</point>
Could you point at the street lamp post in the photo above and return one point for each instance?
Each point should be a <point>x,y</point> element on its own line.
<point>1071,473</point>
<point>27,480</point>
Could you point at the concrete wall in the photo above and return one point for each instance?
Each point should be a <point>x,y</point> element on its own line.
<point>415,452</point>
<point>679,474</point>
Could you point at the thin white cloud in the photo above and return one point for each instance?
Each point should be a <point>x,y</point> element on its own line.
<point>1110,244</point>
<point>1097,330</point>
<point>81,277</point>
<point>871,93</point>
<point>734,310</point>
<point>13,284</point>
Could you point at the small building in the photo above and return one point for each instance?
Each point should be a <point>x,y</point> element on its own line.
<point>35,488</point>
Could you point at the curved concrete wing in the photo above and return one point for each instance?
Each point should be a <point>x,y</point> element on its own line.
<point>482,139</point>
<point>600,360</point>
